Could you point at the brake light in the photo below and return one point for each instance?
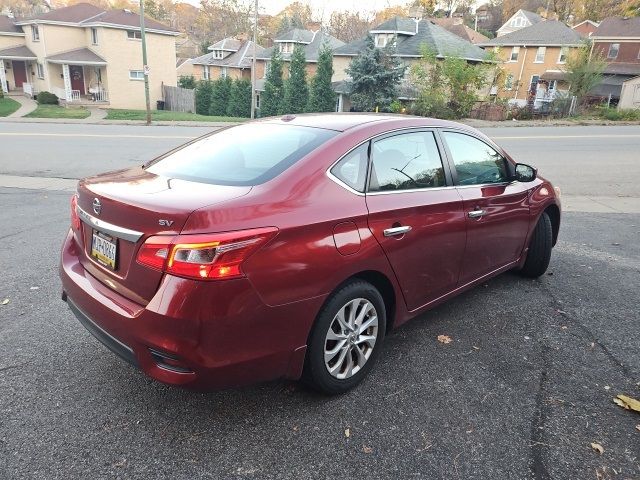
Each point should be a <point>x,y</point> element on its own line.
<point>204,257</point>
<point>75,219</point>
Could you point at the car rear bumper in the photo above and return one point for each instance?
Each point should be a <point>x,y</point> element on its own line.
<point>200,335</point>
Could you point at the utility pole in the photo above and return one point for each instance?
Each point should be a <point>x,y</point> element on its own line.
<point>145,67</point>
<point>253,61</point>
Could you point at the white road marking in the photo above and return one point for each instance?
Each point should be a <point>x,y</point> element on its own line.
<point>560,137</point>
<point>96,135</point>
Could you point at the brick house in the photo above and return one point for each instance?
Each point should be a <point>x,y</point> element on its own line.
<point>617,39</point>
<point>533,58</point>
<point>85,54</point>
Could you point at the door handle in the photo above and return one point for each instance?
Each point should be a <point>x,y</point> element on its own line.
<point>392,232</point>
<point>477,213</point>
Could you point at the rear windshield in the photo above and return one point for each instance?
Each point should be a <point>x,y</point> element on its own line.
<point>245,155</point>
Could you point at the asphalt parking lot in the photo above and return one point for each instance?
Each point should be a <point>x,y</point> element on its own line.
<point>522,391</point>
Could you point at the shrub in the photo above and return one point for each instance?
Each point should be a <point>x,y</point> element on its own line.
<point>187,81</point>
<point>611,113</point>
<point>47,98</point>
<point>203,96</point>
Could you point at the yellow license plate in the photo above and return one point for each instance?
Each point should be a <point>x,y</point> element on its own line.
<point>104,249</point>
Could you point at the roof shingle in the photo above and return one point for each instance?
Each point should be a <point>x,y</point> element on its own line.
<point>20,52</point>
<point>545,33</point>
<point>618,27</point>
<point>7,25</point>
<point>312,49</point>
<point>78,56</point>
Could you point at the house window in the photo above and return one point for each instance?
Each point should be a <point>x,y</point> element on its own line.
<point>382,40</point>
<point>94,36</point>
<point>35,33</point>
<point>218,54</point>
<point>136,75</point>
<point>286,47</point>
<point>613,50</point>
<point>224,72</point>
<point>518,22</point>
<point>514,54</point>
<point>134,34</point>
<point>205,72</point>
<point>563,55</point>
<point>508,82</point>
<point>257,100</point>
<point>40,70</point>
<point>552,85</point>
<point>540,54</point>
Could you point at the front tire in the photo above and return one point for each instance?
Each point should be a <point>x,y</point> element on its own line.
<point>540,247</point>
<point>346,338</point>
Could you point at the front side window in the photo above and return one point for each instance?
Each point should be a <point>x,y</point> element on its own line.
<point>94,36</point>
<point>540,54</point>
<point>514,54</point>
<point>136,75</point>
<point>224,71</point>
<point>205,72</point>
<point>40,70</point>
<point>613,50</point>
<point>405,162</point>
<point>476,163</point>
<point>35,33</point>
<point>352,169</point>
<point>245,155</point>
<point>134,34</point>
<point>563,55</point>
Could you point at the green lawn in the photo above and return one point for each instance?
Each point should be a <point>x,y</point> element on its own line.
<point>167,116</point>
<point>56,111</point>
<point>8,106</point>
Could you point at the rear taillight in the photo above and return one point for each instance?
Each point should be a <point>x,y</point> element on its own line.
<point>75,219</point>
<point>204,257</point>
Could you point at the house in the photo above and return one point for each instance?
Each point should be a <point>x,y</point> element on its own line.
<point>533,58</point>
<point>630,94</point>
<point>456,26</point>
<point>85,54</point>
<point>586,28</point>
<point>488,17</point>
<point>310,41</point>
<point>230,57</point>
<point>407,36</point>
<point>520,19</point>
<point>617,39</point>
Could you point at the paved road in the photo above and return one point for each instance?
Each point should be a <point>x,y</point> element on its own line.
<point>525,387</point>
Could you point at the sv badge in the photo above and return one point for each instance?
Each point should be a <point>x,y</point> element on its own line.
<point>165,223</point>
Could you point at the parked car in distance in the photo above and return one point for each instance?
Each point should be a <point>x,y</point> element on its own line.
<point>289,247</point>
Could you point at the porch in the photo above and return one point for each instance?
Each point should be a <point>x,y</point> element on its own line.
<point>15,70</point>
<point>78,77</point>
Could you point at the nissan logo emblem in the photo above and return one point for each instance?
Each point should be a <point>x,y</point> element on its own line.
<point>97,206</point>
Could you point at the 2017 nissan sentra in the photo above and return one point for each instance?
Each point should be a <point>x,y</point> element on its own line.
<point>289,247</point>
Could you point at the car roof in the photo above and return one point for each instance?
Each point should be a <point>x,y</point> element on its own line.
<point>345,121</point>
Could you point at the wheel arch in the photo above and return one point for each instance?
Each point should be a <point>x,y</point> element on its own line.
<point>554,215</point>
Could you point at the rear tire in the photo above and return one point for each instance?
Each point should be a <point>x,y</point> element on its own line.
<point>540,247</point>
<point>346,339</point>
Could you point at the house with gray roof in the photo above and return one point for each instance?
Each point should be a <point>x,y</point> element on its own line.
<point>520,19</point>
<point>533,59</point>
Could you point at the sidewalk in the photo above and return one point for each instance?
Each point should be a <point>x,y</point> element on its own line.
<point>27,105</point>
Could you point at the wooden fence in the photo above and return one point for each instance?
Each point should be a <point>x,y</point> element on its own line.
<point>179,99</point>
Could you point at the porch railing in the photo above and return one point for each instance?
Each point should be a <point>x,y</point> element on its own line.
<point>75,96</point>
<point>99,95</point>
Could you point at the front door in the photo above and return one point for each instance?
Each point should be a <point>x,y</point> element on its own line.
<point>496,209</point>
<point>416,215</point>
<point>77,78</point>
<point>19,73</point>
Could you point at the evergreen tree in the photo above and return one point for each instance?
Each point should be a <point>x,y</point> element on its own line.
<point>322,98</point>
<point>375,77</point>
<point>240,99</point>
<point>296,92</point>
<point>273,87</point>
<point>203,97</point>
<point>220,93</point>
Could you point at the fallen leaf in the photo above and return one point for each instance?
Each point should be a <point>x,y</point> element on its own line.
<point>444,339</point>
<point>628,403</point>
<point>476,348</point>
<point>5,301</point>
<point>347,432</point>
<point>366,449</point>
<point>296,428</point>
<point>597,447</point>
<point>607,387</point>
<point>564,327</point>
<point>638,427</point>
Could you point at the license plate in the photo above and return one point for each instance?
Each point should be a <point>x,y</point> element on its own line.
<point>104,249</point>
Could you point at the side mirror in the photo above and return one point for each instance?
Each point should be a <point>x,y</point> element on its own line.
<point>525,173</point>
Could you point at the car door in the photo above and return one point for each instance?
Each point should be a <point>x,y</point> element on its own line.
<point>496,208</point>
<point>415,214</point>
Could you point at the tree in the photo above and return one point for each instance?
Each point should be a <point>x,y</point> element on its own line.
<point>348,26</point>
<point>203,97</point>
<point>220,94</point>
<point>322,98</point>
<point>390,12</point>
<point>273,87</point>
<point>296,92</point>
<point>218,19</point>
<point>187,81</point>
<point>375,77</point>
<point>584,71</point>
<point>240,99</point>
<point>630,8</point>
<point>447,88</point>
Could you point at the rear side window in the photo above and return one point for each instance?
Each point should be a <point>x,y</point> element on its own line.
<point>352,169</point>
<point>476,162</point>
<point>245,155</point>
<point>406,161</point>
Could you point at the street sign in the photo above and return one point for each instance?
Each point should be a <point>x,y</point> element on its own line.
<point>146,70</point>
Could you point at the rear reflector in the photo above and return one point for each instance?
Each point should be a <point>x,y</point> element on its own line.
<point>204,257</point>
<point>75,219</point>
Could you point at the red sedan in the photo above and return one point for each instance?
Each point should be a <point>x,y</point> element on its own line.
<point>289,247</point>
